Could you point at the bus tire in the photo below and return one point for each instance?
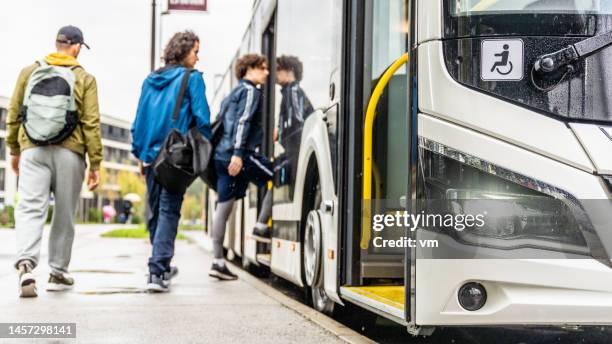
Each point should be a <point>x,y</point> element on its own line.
<point>312,244</point>
<point>312,248</point>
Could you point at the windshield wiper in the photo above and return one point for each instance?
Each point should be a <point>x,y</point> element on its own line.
<point>550,63</point>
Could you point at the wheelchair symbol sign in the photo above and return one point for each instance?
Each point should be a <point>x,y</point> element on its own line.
<point>501,60</point>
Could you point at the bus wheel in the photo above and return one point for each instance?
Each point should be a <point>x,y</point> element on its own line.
<point>312,248</point>
<point>313,263</point>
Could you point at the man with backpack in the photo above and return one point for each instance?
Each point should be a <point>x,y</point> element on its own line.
<point>52,123</point>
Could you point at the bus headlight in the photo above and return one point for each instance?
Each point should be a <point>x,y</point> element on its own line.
<point>518,220</point>
<point>517,211</point>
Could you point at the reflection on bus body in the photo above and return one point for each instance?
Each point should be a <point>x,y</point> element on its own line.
<point>294,109</point>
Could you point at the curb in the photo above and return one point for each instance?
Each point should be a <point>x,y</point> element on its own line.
<point>344,333</point>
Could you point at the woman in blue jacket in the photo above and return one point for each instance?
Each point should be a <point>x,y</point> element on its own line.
<point>152,124</point>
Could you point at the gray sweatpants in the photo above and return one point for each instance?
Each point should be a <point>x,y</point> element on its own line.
<point>43,170</point>
<point>221,214</point>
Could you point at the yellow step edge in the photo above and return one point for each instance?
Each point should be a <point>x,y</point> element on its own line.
<point>393,296</point>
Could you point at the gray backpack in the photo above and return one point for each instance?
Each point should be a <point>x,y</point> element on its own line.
<point>49,113</point>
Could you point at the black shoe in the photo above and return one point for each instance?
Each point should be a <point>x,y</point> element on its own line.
<point>262,234</point>
<point>59,282</point>
<point>27,283</point>
<point>155,284</point>
<point>221,272</point>
<point>169,275</point>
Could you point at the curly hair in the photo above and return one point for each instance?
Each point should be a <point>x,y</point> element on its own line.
<point>292,64</point>
<point>249,61</point>
<point>180,46</point>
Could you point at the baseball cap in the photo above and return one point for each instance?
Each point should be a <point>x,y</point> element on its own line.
<point>71,35</point>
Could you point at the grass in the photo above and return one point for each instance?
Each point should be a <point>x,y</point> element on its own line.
<point>191,227</point>
<point>133,233</point>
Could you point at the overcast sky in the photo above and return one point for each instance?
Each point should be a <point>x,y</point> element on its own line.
<point>118,32</point>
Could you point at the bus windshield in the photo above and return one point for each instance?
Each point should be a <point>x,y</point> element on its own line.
<point>482,7</point>
<point>543,27</point>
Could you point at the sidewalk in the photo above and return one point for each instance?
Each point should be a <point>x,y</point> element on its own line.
<point>109,304</point>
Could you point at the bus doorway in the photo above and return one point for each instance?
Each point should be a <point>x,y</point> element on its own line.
<point>380,285</point>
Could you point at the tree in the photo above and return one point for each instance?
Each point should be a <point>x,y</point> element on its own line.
<point>191,209</point>
<point>130,182</point>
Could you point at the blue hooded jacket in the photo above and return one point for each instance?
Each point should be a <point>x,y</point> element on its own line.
<point>158,97</point>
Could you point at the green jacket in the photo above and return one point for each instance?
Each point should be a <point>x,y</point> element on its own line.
<point>86,138</point>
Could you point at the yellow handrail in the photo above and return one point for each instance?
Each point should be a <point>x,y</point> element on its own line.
<point>368,133</point>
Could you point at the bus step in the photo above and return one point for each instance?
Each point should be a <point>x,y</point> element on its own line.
<point>386,300</point>
<point>264,258</point>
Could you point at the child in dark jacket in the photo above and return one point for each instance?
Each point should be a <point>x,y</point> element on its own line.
<point>237,161</point>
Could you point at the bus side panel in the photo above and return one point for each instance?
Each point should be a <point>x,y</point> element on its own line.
<point>316,142</point>
<point>309,32</point>
<point>286,260</point>
<point>314,145</point>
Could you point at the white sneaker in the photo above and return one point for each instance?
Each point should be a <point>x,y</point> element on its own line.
<point>27,282</point>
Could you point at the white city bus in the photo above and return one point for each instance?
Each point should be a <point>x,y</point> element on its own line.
<point>447,100</point>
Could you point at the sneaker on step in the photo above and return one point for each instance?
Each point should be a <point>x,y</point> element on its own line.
<point>262,234</point>
<point>156,284</point>
<point>27,282</point>
<point>221,272</point>
<point>169,275</point>
<point>59,282</point>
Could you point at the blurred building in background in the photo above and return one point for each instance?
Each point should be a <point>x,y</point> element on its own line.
<point>120,173</point>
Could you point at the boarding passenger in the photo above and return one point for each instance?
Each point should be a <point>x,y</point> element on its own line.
<point>52,123</point>
<point>152,124</point>
<point>237,160</point>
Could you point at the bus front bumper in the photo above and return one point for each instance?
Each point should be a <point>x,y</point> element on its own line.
<point>519,291</point>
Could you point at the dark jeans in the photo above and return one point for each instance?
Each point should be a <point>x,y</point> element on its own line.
<point>256,169</point>
<point>162,223</point>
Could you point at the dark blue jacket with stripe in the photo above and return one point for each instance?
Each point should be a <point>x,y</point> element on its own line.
<point>242,115</point>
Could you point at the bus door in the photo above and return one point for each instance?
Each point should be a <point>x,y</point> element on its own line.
<point>381,263</point>
<point>255,251</point>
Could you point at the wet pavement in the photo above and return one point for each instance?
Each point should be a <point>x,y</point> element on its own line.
<point>109,305</point>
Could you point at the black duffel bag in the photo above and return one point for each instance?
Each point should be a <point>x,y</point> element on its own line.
<point>210,173</point>
<point>182,158</point>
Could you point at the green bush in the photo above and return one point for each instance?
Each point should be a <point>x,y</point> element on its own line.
<point>94,215</point>
<point>7,217</point>
<point>136,219</point>
<point>186,227</point>
<point>139,232</point>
